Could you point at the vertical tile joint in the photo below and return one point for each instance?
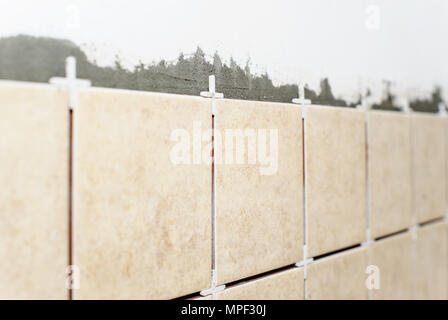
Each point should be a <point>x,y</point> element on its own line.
<point>213,95</point>
<point>365,107</point>
<point>305,260</point>
<point>71,83</point>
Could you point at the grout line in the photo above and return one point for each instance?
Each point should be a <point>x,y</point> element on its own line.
<point>213,217</point>
<point>337,252</point>
<point>214,232</point>
<point>430,222</point>
<point>305,260</point>
<point>414,225</point>
<point>213,95</point>
<point>189,296</point>
<point>390,235</point>
<point>367,204</point>
<point>71,83</point>
<point>73,169</point>
<point>305,249</point>
<point>70,196</point>
<point>263,275</point>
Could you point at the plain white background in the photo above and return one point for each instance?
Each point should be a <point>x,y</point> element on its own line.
<point>293,40</point>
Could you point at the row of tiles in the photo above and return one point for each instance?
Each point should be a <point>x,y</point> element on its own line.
<point>143,223</point>
<point>407,269</point>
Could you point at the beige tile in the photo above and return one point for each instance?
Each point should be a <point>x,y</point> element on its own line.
<point>429,164</point>
<point>335,178</point>
<point>389,165</point>
<point>446,164</point>
<point>259,213</point>
<point>393,256</point>
<point>33,193</point>
<point>286,285</point>
<point>142,223</point>
<point>432,262</point>
<point>338,277</point>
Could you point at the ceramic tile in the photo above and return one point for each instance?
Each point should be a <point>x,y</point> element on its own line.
<point>335,178</point>
<point>393,256</point>
<point>142,222</point>
<point>33,195</point>
<point>286,285</point>
<point>338,277</point>
<point>446,163</point>
<point>429,165</point>
<point>432,262</point>
<point>259,203</point>
<point>389,165</point>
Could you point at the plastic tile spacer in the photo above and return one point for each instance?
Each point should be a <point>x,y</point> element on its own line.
<point>209,291</point>
<point>70,81</point>
<point>366,243</point>
<point>442,110</point>
<point>364,106</point>
<point>304,262</point>
<point>301,96</point>
<point>405,108</point>
<point>213,288</point>
<point>413,231</point>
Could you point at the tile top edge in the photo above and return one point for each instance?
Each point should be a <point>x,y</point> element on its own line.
<point>275,103</point>
<point>426,115</point>
<point>137,92</point>
<point>389,112</point>
<point>26,84</point>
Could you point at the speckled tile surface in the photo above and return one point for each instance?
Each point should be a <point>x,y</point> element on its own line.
<point>338,277</point>
<point>394,257</point>
<point>34,190</point>
<point>445,125</point>
<point>259,216</point>
<point>432,262</point>
<point>285,285</point>
<point>335,178</point>
<point>429,163</point>
<point>389,169</point>
<point>142,223</point>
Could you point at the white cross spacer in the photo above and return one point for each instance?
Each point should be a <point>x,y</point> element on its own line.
<point>365,105</point>
<point>70,81</point>
<point>405,106</point>
<point>413,230</point>
<point>301,100</point>
<point>211,93</point>
<point>442,110</point>
<point>214,289</point>
<point>306,261</point>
